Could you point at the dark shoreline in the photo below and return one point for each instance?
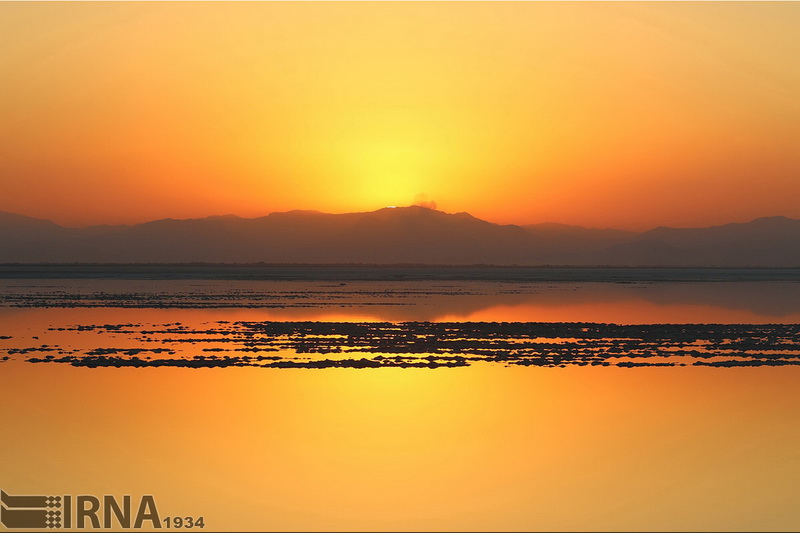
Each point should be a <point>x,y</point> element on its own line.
<point>361,272</point>
<point>427,345</point>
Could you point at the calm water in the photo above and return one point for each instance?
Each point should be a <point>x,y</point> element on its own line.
<point>491,445</point>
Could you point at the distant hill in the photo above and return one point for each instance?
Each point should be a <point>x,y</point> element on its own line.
<point>770,241</point>
<point>397,235</point>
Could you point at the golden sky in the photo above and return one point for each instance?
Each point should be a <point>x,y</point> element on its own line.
<point>623,114</point>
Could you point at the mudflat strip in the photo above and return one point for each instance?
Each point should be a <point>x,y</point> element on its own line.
<point>414,344</point>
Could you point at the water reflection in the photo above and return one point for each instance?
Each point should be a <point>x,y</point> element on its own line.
<point>478,448</point>
<point>625,303</point>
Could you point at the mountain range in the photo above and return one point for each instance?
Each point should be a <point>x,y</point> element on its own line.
<point>402,235</point>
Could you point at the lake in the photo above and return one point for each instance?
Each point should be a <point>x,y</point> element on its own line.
<point>663,401</point>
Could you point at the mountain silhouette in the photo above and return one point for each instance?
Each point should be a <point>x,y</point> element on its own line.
<point>764,242</point>
<point>414,234</point>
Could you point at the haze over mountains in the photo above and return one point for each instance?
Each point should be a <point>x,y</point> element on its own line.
<point>398,235</point>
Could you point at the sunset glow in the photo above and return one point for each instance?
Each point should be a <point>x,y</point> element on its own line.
<point>626,115</point>
<point>400,265</point>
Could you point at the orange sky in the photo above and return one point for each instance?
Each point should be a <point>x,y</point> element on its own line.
<point>624,114</point>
